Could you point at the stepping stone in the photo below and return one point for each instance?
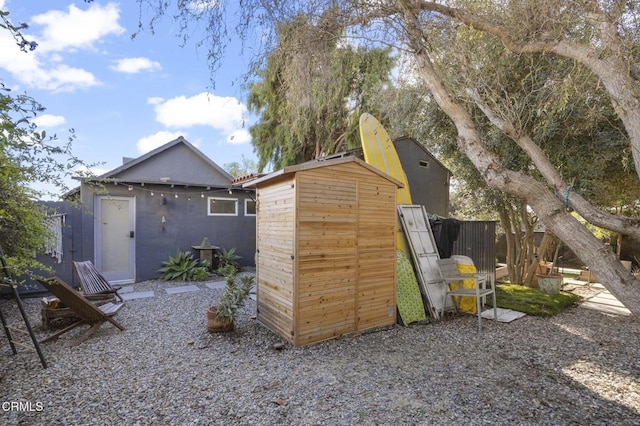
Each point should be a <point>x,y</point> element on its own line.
<point>504,315</point>
<point>182,289</point>
<point>138,295</point>
<point>126,289</point>
<point>216,285</point>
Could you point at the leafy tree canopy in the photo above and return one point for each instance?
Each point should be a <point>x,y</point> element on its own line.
<point>27,157</point>
<point>309,104</point>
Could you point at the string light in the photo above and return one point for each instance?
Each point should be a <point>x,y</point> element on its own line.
<point>193,193</point>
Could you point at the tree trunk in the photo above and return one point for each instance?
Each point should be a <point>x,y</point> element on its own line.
<point>549,208</point>
<point>509,242</point>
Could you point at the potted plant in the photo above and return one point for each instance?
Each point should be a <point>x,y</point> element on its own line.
<point>549,278</point>
<point>221,317</point>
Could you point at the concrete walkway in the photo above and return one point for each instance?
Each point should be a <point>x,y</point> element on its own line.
<point>128,292</point>
<point>598,298</point>
<point>605,302</point>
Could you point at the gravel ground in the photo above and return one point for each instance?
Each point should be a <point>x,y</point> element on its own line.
<point>580,367</point>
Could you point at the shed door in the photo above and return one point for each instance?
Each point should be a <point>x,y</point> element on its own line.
<point>115,238</point>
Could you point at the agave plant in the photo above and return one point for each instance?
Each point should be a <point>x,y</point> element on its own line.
<point>228,257</point>
<point>184,267</point>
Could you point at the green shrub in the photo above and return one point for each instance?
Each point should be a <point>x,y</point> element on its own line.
<point>183,267</point>
<point>200,273</point>
<point>228,257</point>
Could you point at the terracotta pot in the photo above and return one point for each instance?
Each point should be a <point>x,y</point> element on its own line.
<point>215,326</point>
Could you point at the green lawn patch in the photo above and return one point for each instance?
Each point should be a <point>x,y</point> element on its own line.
<point>531,301</point>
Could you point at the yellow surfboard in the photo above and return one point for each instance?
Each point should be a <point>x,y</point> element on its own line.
<point>380,153</point>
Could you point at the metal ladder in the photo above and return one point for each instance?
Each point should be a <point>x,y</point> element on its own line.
<point>6,280</point>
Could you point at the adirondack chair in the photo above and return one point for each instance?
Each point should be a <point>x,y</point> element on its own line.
<point>451,275</point>
<point>92,282</point>
<point>88,313</point>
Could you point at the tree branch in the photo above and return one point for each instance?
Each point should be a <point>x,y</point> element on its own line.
<point>617,76</point>
<point>624,225</point>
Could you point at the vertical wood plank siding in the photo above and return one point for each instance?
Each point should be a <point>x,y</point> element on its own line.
<point>339,224</point>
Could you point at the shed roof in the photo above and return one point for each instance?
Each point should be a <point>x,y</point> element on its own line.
<point>314,164</point>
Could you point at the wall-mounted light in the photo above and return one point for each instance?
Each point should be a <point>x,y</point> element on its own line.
<point>152,193</point>
<point>202,195</point>
<point>230,192</point>
<point>175,195</point>
<point>130,188</point>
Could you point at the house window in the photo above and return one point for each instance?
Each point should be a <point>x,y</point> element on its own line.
<point>424,163</point>
<point>249,207</point>
<point>223,206</point>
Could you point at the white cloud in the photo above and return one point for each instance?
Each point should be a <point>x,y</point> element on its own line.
<point>90,171</point>
<point>62,33</point>
<point>65,78</point>
<point>202,5</point>
<point>49,120</point>
<point>77,28</point>
<point>151,142</point>
<point>224,114</point>
<point>29,70</point>
<point>136,65</point>
<point>239,137</point>
<point>155,100</point>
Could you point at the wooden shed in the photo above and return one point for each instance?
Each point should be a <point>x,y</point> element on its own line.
<point>326,249</point>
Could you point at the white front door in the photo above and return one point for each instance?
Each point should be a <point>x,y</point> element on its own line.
<point>115,238</point>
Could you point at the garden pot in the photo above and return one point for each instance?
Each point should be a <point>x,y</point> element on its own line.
<point>550,284</point>
<point>215,326</point>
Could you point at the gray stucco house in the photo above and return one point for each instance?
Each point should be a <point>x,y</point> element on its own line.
<point>135,216</point>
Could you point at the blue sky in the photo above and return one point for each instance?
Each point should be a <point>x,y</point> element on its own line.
<point>123,97</point>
